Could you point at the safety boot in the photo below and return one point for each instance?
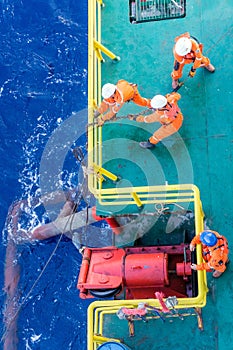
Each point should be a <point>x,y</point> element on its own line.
<point>210,68</point>
<point>147,144</point>
<point>175,83</point>
<point>217,274</point>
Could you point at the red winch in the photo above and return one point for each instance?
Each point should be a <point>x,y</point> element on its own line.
<point>135,271</point>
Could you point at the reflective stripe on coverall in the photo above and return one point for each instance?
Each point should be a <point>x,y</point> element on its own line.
<point>195,57</point>
<point>169,116</point>
<point>125,92</point>
<point>216,257</point>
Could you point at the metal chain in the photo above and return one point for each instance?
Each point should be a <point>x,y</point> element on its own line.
<point>128,116</point>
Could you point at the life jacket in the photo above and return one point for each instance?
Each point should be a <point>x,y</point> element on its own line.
<point>126,90</point>
<point>170,112</point>
<point>221,248</point>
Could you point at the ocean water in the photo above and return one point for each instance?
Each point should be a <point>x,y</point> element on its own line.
<point>43,80</point>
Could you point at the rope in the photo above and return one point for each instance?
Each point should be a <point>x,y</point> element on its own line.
<point>220,39</point>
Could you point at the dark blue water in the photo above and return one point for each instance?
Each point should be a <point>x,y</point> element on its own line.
<point>43,79</point>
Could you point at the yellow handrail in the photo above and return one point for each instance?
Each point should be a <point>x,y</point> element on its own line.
<point>94,90</point>
<point>165,194</point>
<point>116,194</point>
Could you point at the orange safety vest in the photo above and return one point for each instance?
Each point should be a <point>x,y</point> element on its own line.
<point>216,256</point>
<point>220,248</point>
<point>170,112</point>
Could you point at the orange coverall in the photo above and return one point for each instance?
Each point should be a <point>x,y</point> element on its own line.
<point>169,116</point>
<point>216,257</point>
<point>125,92</point>
<point>194,56</point>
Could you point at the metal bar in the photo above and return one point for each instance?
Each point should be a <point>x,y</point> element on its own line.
<point>107,52</point>
<point>104,172</point>
<point>136,199</point>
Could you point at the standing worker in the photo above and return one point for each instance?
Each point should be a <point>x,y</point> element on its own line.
<point>114,98</point>
<point>167,113</point>
<point>215,252</point>
<point>187,50</point>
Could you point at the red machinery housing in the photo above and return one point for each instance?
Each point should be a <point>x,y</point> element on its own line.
<point>135,272</point>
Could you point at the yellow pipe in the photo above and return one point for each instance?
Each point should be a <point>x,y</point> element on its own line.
<point>101,47</point>
<point>97,310</point>
<point>104,172</point>
<point>98,54</point>
<point>101,339</point>
<point>100,2</point>
<point>91,85</point>
<point>136,199</point>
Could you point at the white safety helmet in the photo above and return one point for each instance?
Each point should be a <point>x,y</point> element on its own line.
<point>158,101</point>
<point>183,46</point>
<point>108,90</point>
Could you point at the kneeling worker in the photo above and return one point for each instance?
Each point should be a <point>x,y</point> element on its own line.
<point>115,97</point>
<point>166,113</point>
<point>215,252</point>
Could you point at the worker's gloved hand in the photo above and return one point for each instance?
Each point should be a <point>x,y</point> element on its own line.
<point>140,118</point>
<point>100,121</point>
<point>192,72</point>
<point>193,267</point>
<point>131,116</point>
<point>192,247</point>
<point>96,114</point>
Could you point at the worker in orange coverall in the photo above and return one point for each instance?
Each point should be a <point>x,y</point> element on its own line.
<point>215,252</point>
<point>187,50</point>
<point>114,98</point>
<point>167,113</point>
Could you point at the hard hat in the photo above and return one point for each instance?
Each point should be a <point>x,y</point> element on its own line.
<point>108,90</point>
<point>183,46</point>
<point>208,238</point>
<point>158,101</point>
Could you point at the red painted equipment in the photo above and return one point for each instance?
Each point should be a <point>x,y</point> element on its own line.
<point>110,220</point>
<point>183,269</point>
<point>136,271</point>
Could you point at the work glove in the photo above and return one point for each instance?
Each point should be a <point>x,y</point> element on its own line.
<point>192,72</point>
<point>100,121</point>
<point>96,114</point>
<point>192,247</point>
<point>140,118</point>
<point>193,266</point>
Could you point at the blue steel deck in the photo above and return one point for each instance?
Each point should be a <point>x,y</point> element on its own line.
<point>200,154</point>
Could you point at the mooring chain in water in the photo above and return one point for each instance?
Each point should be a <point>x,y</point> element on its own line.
<point>78,154</point>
